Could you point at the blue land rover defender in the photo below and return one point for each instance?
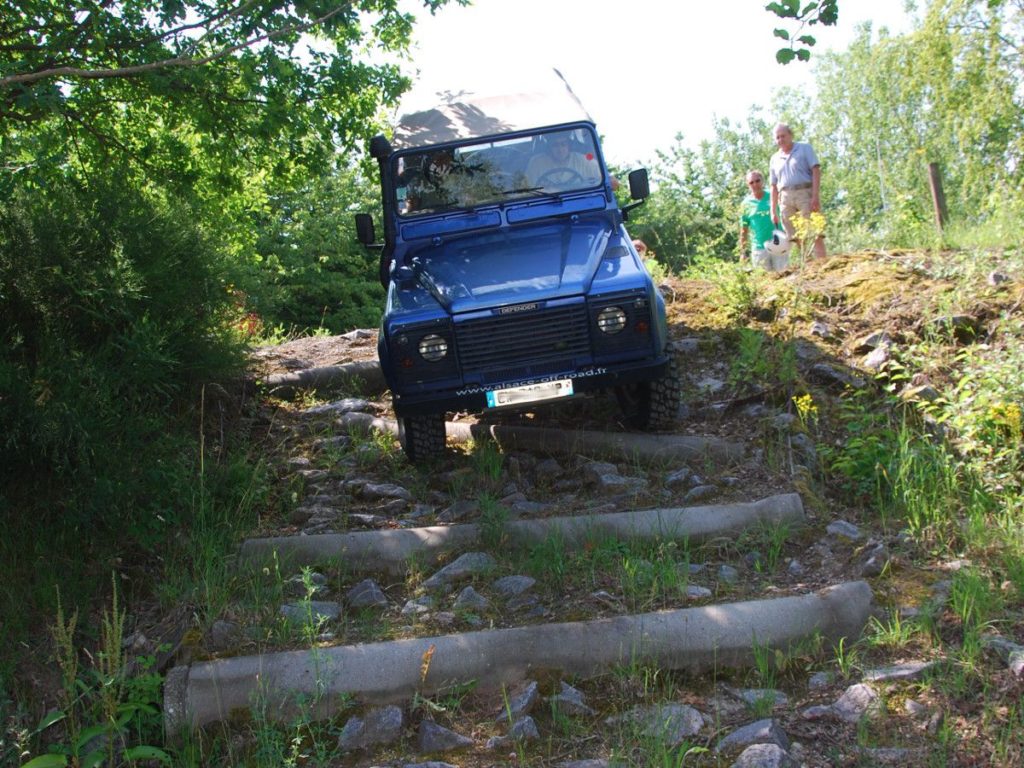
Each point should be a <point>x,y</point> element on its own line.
<point>511,280</point>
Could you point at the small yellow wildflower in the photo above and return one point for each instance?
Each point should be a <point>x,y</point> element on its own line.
<point>1008,418</point>
<point>807,229</point>
<point>806,409</point>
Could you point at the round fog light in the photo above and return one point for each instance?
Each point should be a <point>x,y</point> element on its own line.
<point>433,348</point>
<point>611,319</point>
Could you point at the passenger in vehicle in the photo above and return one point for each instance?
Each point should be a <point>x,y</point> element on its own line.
<point>426,186</point>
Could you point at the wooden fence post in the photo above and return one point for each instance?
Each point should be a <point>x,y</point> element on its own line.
<point>938,196</point>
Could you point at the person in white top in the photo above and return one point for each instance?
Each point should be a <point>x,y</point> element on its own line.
<point>795,175</point>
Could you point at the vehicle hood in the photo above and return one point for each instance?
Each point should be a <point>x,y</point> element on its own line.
<point>513,266</point>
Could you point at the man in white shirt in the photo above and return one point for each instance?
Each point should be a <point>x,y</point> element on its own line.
<point>795,175</point>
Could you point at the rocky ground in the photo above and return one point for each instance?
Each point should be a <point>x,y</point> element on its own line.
<point>824,332</point>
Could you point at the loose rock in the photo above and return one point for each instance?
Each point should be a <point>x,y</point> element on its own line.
<point>829,375</point>
<point>677,477</point>
<point>435,738</point>
<point>875,562</point>
<point>872,341</point>
<point>912,670</point>
<point>367,594</point>
<point>700,493</point>
<point>593,470</point>
<point>312,584</point>
<point>522,731</point>
<point>820,329</point>
<point>877,359</point>
<point>378,491</point>
<point>223,636</point>
<point>521,701</point>
<point>819,680</point>
<point>997,278</point>
<point>1011,653</point>
<point>767,731</point>
<point>467,565</point>
<point>379,726</point>
<point>548,469</point>
<point>470,600</point>
<point>418,606</point>
<point>569,701</point>
<point>314,611</point>
<point>765,756</point>
<point>728,574</point>
<point>348,405</point>
<point>858,701</point>
<point>841,529</point>
<point>672,724</point>
<point>509,586</point>
<point>459,511</point>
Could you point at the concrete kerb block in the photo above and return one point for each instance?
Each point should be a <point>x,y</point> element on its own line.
<point>626,446</point>
<point>322,679</point>
<point>177,720</point>
<point>389,551</point>
<point>365,377</point>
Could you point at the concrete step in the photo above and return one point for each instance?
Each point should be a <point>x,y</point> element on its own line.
<point>624,446</point>
<point>389,551</point>
<point>317,681</point>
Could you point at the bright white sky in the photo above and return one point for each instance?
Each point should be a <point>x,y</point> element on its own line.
<point>644,69</point>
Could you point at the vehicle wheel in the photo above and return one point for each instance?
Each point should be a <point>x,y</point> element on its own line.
<point>652,405</point>
<point>422,437</point>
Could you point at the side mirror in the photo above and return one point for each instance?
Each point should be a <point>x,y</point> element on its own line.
<point>364,229</point>
<point>639,186</point>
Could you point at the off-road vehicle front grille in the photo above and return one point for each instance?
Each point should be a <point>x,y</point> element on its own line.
<point>533,339</point>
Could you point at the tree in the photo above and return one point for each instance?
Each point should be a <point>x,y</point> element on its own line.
<point>173,85</point>
<point>312,271</point>
<point>694,210</point>
<point>948,93</point>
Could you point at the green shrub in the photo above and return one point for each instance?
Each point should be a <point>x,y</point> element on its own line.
<point>312,273</point>
<point>113,313</point>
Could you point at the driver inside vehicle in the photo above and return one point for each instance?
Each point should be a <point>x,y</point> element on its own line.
<point>560,167</point>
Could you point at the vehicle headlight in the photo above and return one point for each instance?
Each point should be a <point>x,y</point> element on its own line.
<point>433,348</point>
<point>611,319</point>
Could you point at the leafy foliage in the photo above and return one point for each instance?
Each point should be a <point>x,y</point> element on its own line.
<point>113,308</point>
<point>104,711</point>
<point>694,210</point>
<point>311,271</point>
<point>169,83</point>
<point>947,93</point>
<point>825,12</point>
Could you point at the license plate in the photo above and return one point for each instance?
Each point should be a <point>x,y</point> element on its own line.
<point>530,393</point>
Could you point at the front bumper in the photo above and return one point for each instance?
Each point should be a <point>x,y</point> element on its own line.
<point>474,398</point>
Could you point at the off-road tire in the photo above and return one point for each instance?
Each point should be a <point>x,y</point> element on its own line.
<point>651,406</point>
<point>422,437</point>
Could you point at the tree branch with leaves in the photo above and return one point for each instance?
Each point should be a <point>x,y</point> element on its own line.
<point>803,15</point>
<point>275,84</point>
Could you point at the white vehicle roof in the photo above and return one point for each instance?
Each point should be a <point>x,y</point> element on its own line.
<point>530,101</point>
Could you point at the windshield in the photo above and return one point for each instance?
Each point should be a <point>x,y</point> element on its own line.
<point>483,173</point>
